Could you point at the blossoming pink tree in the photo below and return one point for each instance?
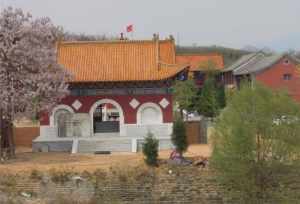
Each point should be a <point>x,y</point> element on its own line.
<point>31,80</point>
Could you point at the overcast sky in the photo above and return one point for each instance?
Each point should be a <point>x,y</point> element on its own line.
<point>232,23</point>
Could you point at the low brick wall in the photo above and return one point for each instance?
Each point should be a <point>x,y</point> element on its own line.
<point>24,135</point>
<point>132,185</point>
<point>167,184</point>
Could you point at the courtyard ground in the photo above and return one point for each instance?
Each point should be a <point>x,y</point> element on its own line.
<point>26,161</point>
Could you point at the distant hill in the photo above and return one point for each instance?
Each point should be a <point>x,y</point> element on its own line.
<point>230,55</point>
<point>68,36</point>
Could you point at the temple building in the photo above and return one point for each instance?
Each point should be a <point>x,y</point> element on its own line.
<point>199,63</point>
<point>120,91</point>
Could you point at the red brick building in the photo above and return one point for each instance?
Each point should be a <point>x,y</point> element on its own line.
<point>278,71</point>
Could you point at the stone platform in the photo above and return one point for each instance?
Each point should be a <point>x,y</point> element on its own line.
<point>100,142</point>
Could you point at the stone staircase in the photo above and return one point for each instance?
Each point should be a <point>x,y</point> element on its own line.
<point>113,145</point>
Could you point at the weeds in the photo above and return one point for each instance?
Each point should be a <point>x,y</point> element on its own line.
<point>60,176</point>
<point>36,175</point>
<point>8,183</point>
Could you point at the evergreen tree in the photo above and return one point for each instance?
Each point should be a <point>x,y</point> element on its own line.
<point>256,145</point>
<point>212,96</point>
<point>150,150</point>
<point>184,95</point>
<point>208,102</point>
<point>179,138</point>
<point>221,97</point>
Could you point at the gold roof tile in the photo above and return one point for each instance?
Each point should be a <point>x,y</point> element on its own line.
<point>121,60</point>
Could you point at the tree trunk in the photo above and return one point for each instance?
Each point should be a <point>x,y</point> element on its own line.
<point>7,140</point>
<point>4,139</point>
<point>11,140</point>
<point>1,134</point>
<point>181,114</point>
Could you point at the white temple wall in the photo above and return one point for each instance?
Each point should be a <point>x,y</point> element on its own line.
<point>140,131</point>
<point>82,125</point>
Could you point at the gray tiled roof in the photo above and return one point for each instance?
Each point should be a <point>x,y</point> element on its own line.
<point>295,58</point>
<point>239,62</point>
<point>257,64</point>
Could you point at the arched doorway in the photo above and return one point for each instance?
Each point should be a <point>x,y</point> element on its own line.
<point>63,119</point>
<point>106,117</point>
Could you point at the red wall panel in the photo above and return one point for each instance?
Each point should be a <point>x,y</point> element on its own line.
<point>130,113</point>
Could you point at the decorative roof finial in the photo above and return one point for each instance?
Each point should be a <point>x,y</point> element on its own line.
<point>155,36</point>
<point>171,37</point>
<point>122,36</point>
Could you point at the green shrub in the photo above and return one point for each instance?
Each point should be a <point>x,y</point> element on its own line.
<point>36,175</point>
<point>209,100</point>
<point>179,136</point>
<point>221,97</point>
<point>150,150</point>
<point>256,145</point>
<point>60,176</point>
<point>100,174</point>
<point>8,183</point>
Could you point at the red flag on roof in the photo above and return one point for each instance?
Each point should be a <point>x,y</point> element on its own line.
<point>129,28</point>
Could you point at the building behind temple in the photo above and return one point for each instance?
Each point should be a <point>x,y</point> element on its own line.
<point>276,71</point>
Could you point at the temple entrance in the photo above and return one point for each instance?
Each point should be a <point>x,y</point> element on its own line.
<point>63,119</point>
<point>106,118</point>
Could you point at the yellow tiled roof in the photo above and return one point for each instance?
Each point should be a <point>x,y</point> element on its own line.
<point>198,61</point>
<point>121,60</point>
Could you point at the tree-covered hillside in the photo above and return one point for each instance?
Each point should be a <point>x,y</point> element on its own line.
<point>69,36</point>
<point>230,55</point>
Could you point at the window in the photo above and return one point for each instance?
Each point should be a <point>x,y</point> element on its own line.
<point>286,62</point>
<point>287,77</point>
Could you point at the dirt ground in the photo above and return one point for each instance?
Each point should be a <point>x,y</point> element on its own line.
<point>26,160</point>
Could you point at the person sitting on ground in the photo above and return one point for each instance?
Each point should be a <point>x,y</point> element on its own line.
<point>177,158</point>
<point>174,154</point>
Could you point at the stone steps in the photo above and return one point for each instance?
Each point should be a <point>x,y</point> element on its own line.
<point>114,145</point>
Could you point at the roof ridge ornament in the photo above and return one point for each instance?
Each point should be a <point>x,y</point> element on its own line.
<point>157,52</point>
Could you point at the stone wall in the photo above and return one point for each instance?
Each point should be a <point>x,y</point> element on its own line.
<point>129,185</point>
<point>167,184</point>
<point>140,131</point>
<point>52,146</point>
